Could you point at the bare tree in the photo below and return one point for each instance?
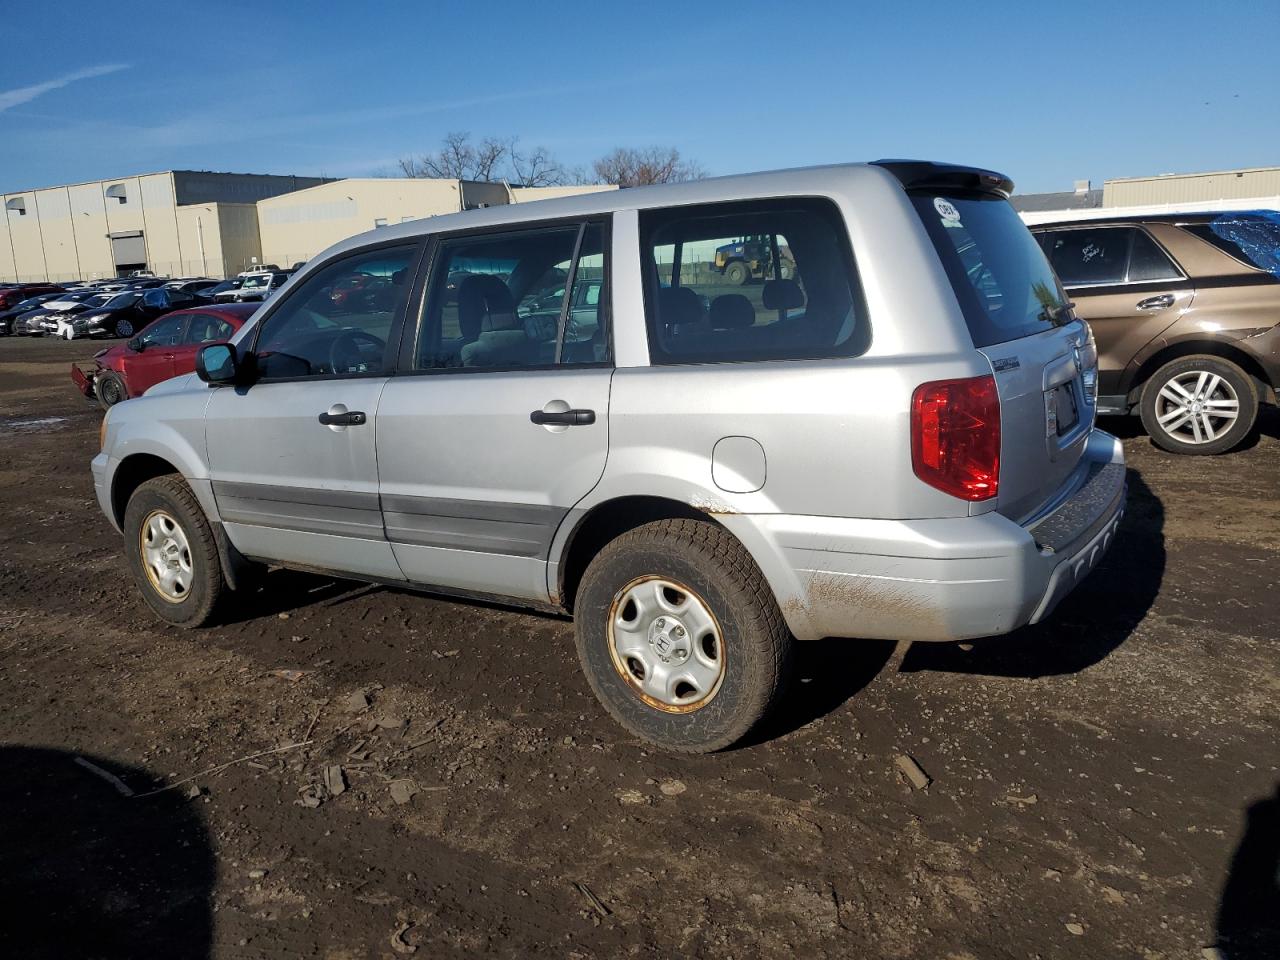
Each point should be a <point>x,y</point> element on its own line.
<point>634,167</point>
<point>491,159</point>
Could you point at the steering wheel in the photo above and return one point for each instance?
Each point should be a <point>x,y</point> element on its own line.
<point>345,353</point>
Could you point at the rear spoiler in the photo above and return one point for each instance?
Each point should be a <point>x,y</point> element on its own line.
<point>924,174</point>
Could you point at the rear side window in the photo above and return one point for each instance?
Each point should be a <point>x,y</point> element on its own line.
<point>759,280</point>
<point>1251,238</point>
<point>1098,256</point>
<point>1000,275</point>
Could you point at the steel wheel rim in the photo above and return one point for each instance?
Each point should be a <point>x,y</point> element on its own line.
<point>666,644</point>
<point>110,391</point>
<point>1197,407</point>
<point>166,556</point>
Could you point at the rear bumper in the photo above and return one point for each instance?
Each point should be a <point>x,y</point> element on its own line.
<point>949,579</point>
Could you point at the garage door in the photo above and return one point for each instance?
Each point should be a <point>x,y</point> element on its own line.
<point>128,248</point>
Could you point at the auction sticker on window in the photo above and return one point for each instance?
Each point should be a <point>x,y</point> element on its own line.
<point>947,211</point>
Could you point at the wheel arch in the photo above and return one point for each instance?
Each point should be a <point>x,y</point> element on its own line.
<point>604,522</point>
<point>133,471</point>
<point>1222,349</point>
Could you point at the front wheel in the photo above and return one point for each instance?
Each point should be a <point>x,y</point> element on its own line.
<point>1199,405</point>
<point>680,636</point>
<point>172,553</point>
<point>110,389</point>
<point>737,273</point>
<point>124,328</point>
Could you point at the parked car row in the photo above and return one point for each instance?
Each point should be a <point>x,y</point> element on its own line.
<point>122,306</point>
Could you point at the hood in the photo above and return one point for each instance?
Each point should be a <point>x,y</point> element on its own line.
<point>175,385</point>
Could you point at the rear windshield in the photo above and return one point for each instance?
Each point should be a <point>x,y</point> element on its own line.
<point>1000,275</point>
<point>1251,237</point>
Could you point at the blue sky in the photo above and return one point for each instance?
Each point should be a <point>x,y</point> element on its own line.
<point>1047,92</point>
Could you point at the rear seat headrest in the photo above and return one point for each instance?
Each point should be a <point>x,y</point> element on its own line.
<point>732,311</point>
<point>678,306</point>
<point>782,295</point>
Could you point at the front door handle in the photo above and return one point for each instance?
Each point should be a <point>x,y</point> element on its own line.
<point>565,418</point>
<point>351,418</point>
<point>1156,303</point>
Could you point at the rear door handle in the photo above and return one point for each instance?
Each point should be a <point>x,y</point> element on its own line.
<point>352,418</point>
<point>1156,303</point>
<point>567,418</point>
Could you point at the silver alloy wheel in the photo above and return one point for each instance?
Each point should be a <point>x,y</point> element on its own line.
<point>666,644</point>
<point>166,556</point>
<point>1197,407</point>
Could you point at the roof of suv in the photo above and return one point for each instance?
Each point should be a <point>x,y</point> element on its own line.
<point>798,181</point>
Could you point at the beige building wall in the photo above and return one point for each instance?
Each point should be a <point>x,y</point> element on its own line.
<point>297,226</point>
<point>1192,187</point>
<point>526,194</point>
<point>89,223</point>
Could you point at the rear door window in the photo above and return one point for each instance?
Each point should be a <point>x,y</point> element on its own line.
<point>516,298</point>
<point>1001,278</point>
<point>1147,261</point>
<point>759,280</point>
<point>1091,257</point>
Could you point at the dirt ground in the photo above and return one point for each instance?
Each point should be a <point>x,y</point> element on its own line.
<point>1105,785</point>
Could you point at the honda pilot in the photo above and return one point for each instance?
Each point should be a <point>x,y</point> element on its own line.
<point>894,438</point>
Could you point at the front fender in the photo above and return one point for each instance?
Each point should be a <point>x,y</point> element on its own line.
<point>168,425</point>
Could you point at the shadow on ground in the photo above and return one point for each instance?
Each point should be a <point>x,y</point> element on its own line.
<point>89,872</point>
<point>1089,624</point>
<point>1249,910</point>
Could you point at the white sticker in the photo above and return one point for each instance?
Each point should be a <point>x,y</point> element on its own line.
<point>946,209</point>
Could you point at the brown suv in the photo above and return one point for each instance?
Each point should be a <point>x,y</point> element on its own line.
<point>1186,313</point>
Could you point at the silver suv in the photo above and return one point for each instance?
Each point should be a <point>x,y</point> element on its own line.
<point>890,435</point>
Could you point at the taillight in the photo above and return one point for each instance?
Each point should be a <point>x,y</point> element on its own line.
<point>955,436</point>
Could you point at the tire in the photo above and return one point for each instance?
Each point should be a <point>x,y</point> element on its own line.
<point>737,273</point>
<point>157,508</point>
<point>741,654</point>
<point>110,389</point>
<point>124,327</point>
<point>1172,411</point>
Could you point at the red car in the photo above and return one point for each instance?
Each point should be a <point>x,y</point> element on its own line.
<point>10,294</point>
<point>165,348</point>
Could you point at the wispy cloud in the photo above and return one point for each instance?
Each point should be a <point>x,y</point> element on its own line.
<point>20,95</point>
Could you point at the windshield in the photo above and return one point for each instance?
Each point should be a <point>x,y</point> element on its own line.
<point>120,300</point>
<point>1005,286</point>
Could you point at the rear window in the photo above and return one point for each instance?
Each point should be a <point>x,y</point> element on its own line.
<point>756,280</point>
<point>1253,238</point>
<point>1000,275</point>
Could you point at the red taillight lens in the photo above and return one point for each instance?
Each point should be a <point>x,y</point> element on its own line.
<point>955,436</point>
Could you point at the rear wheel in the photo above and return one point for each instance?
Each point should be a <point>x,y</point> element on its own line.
<point>1199,405</point>
<point>110,389</point>
<point>737,273</point>
<point>172,553</point>
<point>680,636</point>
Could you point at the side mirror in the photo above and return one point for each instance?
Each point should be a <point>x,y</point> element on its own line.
<point>136,345</point>
<point>217,363</point>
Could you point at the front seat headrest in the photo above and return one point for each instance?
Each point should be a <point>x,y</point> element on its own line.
<point>484,303</point>
<point>782,295</point>
<point>732,311</point>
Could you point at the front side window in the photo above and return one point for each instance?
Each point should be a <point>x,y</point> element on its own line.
<point>165,332</point>
<point>761,280</point>
<point>516,299</point>
<point>339,320</point>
